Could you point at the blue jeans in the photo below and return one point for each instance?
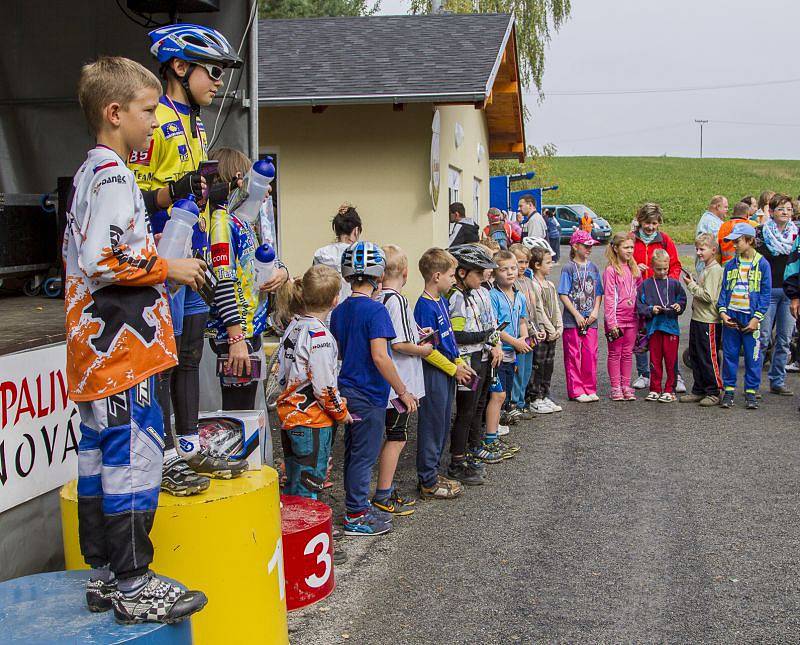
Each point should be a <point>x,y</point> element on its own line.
<point>521,378</point>
<point>780,317</point>
<point>433,424</point>
<point>362,445</point>
<point>555,244</point>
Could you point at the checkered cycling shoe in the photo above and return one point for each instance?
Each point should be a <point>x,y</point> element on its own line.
<point>99,594</point>
<point>158,601</point>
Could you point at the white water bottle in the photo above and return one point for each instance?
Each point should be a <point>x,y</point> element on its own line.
<point>265,264</point>
<point>176,240</point>
<point>257,180</point>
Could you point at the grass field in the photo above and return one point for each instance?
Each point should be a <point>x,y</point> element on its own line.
<point>615,186</point>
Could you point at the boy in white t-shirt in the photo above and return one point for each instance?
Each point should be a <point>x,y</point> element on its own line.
<point>407,355</point>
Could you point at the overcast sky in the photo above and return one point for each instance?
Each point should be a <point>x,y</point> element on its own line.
<point>621,45</point>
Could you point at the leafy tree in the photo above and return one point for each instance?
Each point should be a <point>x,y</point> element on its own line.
<point>316,8</point>
<point>536,20</point>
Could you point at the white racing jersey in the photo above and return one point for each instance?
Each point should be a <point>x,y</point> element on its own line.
<point>119,330</point>
<point>308,357</point>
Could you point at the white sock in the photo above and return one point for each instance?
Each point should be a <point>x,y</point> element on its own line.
<point>187,445</point>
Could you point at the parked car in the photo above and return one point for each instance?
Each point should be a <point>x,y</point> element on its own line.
<point>569,218</point>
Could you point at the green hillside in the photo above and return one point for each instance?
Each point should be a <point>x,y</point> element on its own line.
<point>615,186</point>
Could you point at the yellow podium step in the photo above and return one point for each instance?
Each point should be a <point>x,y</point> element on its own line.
<point>225,542</point>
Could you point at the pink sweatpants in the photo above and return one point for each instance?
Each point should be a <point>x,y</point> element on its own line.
<point>580,361</point>
<point>620,358</point>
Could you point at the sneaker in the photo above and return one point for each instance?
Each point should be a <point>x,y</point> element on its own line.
<point>402,501</point>
<point>465,474</point>
<point>555,406</point>
<point>629,393</point>
<point>653,396</point>
<point>100,594</point>
<point>502,430</point>
<point>583,398</point>
<point>393,508</point>
<point>727,401</point>
<point>508,450</point>
<point>526,414</point>
<point>510,417</point>
<point>485,455</point>
<point>709,401</point>
<point>443,489</point>
<point>209,465</point>
<point>370,523</point>
<point>641,382</point>
<point>667,397</point>
<point>680,386</point>
<point>180,480</point>
<point>539,406</point>
<point>691,398</point>
<point>751,403</point>
<point>593,397</point>
<point>793,367</point>
<point>780,390</point>
<point>158,601</point>
<point>475,463</point>
<point>616,394</point>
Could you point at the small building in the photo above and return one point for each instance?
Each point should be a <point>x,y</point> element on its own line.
<point>397,114</point>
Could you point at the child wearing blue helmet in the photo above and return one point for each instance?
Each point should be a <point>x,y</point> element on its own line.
<point>192,61</point>
<point>363,328</point>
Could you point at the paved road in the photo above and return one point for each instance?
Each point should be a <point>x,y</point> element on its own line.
<point>618,522</point>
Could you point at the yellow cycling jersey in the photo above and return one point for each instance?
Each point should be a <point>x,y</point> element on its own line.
<point>173,152</point>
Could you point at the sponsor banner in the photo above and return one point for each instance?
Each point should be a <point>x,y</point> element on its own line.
<point>39,425</point>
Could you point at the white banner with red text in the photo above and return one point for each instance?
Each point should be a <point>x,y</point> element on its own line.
<point>39,425</point>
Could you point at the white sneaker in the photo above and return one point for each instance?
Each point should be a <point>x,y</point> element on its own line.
<point>680,386</point>
<point>583,398</point>
<point>555,407</point>
<point>540,407</point>
<point>502,431</point>
<point>793,367</point>
<point>641,382</point>
<point>593,397</point>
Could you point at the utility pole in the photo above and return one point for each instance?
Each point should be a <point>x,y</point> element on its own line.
<point>702,122</point>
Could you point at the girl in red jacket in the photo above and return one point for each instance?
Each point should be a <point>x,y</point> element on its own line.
<point>648,238</point>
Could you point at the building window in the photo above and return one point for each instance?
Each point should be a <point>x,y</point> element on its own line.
<point>453,185</point>
<point>476,199</point>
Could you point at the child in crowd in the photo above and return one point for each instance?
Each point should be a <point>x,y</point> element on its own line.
<point>407,355</point>
<point>192,60</point>
<point>547,317</point>
<point>362,328</point>
<point>581,291</point>
<point>511,309</point>
<point>498,229</point>
<point>347,227</point>
<point>743,302</point>
<point>474,325</point>
<point>621,281</point>
<point>441,369</point>
<point>705,331</point>
<point>119,338</point>
<point>660,301</point>
<point>741,213</point>
<point>522,376</point>
<point>310,404</point>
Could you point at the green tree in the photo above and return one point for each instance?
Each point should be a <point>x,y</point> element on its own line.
<point>316,8</point>
<point>536,20</point>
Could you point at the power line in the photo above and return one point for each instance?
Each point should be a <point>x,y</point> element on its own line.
<point>771,125</point>
<point>671,90</point>
<point>627,133</point>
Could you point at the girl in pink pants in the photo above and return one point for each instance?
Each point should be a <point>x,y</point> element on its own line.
<point>580,289</point>
<point>621,280</point>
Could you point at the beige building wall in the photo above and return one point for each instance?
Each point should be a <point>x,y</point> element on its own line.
<point>376,158</point>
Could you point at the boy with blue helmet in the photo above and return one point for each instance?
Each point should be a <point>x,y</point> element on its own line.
<point>192,61</point>
<point>362,328</point>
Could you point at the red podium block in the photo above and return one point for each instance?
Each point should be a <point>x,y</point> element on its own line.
<point>307,550</point>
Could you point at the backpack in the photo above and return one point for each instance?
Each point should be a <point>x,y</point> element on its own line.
<point>497,231</point>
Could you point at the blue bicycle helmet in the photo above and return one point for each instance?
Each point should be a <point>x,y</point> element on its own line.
<point>194,44</point>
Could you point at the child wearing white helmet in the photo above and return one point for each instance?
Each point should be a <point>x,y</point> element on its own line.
<point>362,328</point>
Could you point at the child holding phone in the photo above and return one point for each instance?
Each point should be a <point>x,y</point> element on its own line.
<point>407,355</point>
